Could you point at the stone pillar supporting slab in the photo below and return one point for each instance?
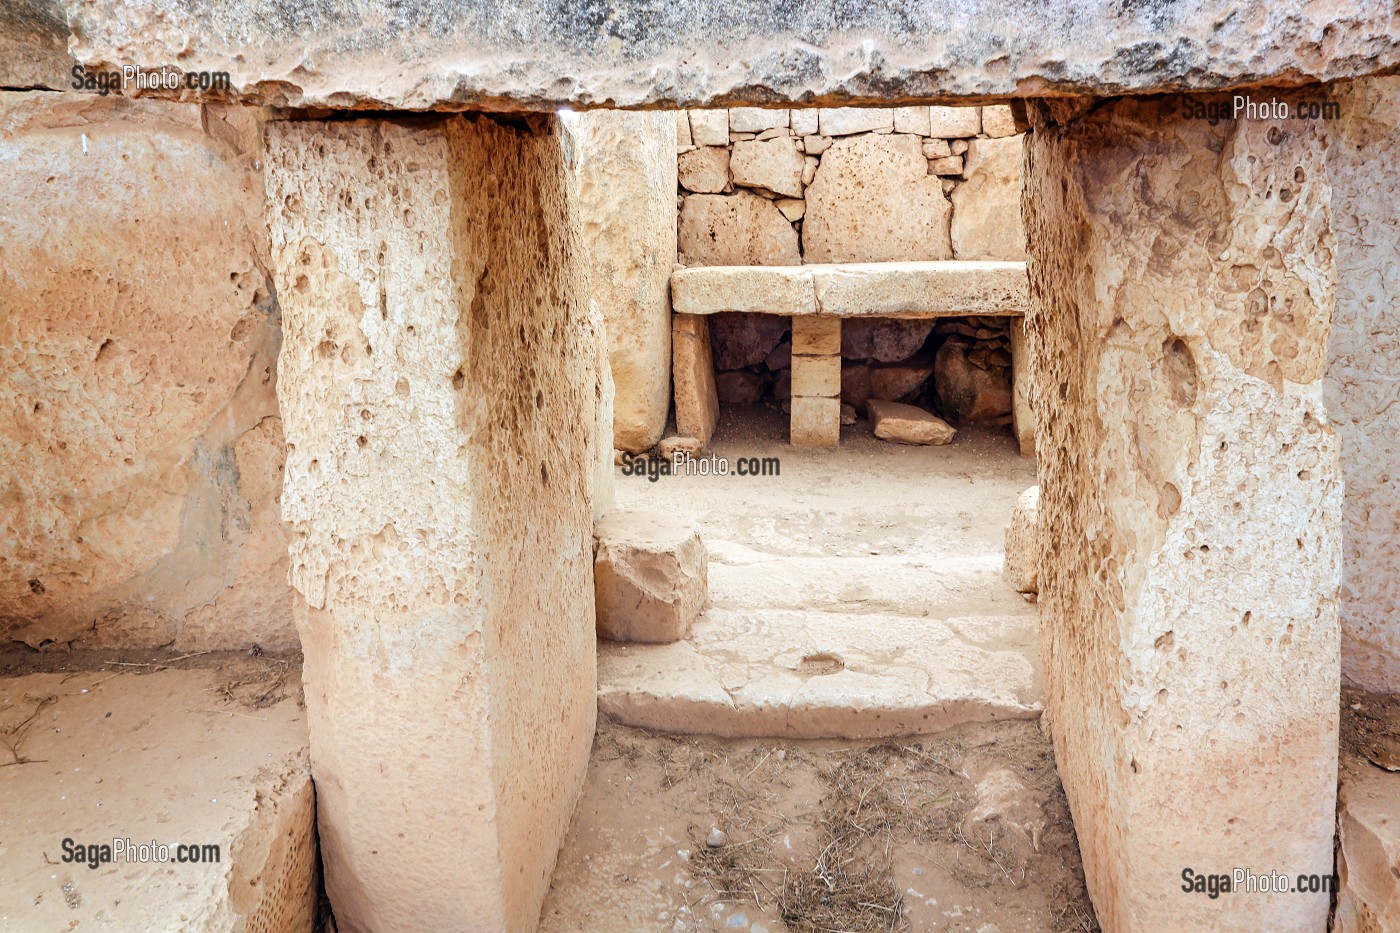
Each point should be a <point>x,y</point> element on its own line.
<point>438,387</point>
<point>1182,280</point>
<point>693,365</point>
<point>816,381</point>
<point>1022,416</point>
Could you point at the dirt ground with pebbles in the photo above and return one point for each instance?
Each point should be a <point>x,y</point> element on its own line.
<point>964,831</point>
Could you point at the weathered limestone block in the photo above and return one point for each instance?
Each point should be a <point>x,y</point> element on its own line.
<point>693,370</point>
<point>1023,416</point>
<point>815,381</point>
<point>649,573</point>
<point>997,121</point>
<point>740,229</point>
<point>625,169</point>
<point>816,376</point>
<point>845,121</point>
<point>683,137</point>
<point>954,122</point>
<point>1021,554</point>
<point>138,348</point>
<point>161,757</point>
<point>873,201</point>
<point>1363,374</point>
<point>775,164</point>
<point>756,119</point>
<point>704,170</point>
<point>912,120</point>
<point>804,122</point>
<point>907,424</point>
<point>437,387</point>
<point>1190,503</point>
<point>709,127</point>
<point>987,207</point>
<point>815,422</point>
<point>1368,848</point>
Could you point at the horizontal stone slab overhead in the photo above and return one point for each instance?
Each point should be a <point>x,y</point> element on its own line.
<point>540,54</point>
<point>857,289</point>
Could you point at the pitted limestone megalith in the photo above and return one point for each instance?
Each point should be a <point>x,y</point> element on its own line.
<point>438,387</point>
<point>1182,280</point>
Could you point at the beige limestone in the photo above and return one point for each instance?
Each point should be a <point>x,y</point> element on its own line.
<point>138,410</point>
<point>907,424</point>
<point>951,166</point>
<point>164,757</point>
<point>816,376</point>
<point>936,149</point>
<point>649,576</point>
<point>774,164</point>
<point>803,122</point>
<point>1363,374</point>
<point>1023,416</point>
<point>954,122</point>
<point>815,145</point>
<point>912,120</point>
<point>740,229</point>
<point>683,137</point>
<point>845,121</point>
<point>438,389</point>
<point>873,201</point>
<point>709,127</point>
<point>1190,502</point>
<point>756,119</point>
<point>693,369</point>
<point>816,336</point>
<point>997,121</point>
<point>792,208</point>
<point>1021,553</point>
<point>625,170</point>
<point>816,422</point>
<point>903,289</point>
<point>1368,848</point>
<point>704,170</point>
<point>987,207</point>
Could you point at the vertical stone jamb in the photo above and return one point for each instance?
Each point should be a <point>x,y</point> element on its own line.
<point>1182,279</point>
<point>438,387</point>
<point>816,381</point>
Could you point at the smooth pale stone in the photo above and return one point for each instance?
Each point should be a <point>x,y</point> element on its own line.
<point>912,120</point>
<point>816,145</point>
<point>716,289</point>
<point>997,121</point>
<point>948,165</point>
<point>954,122</point>
<point>815,422</point>
<point>792,208</point>
<point>683,137</point>
<point>803,122</point>
<point>816,376</point>
<point>740,229</point>
<point>936,149</point>
<point>775,164</point>
<point>907,424</point>
<point>693,376</point>
<point>1021,553</point>
<point>845,121</point>
<point>649,576</point>
<point>987,207</point>
<point>816,336</point>
<point>709,127</point>
<point>920,289</point>
<point>704,170</point>
<point>755,119</point>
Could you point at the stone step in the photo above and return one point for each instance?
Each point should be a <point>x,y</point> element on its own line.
<point>892,585</point>
<point>812,674</point>
<point>167,757</point>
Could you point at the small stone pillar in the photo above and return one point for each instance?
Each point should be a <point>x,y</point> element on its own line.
<point>1182,280</point>
<point>816,381</point>
<point>438,388</point>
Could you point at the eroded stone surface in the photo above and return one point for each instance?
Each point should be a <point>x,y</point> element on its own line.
<point>162,757</point>
<point>430,53</point>
<point>626,176</point>
<point>704,170</point>
<point>774,164</point>
<point>693,372</point>
<point>1021,553</point>
<point>138,349</point>
<point>649,576</point>
<point>740,229</point>
<point>907,424</point>
<point>1368,848</point>
<point>987,208</point>
<point>438,393</point>
<point>1363,374</point>
<point>873,201</point>
<point>1190,539</point>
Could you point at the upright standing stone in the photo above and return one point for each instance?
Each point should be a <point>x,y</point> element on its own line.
<point>1182,279</point>
<point>816,381</point>
<point>625,168</point>
<point>693,365</point>
<point>438,389</point>
<point>1022,415</point>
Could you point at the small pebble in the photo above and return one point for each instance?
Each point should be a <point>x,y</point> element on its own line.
<point>717,837</point>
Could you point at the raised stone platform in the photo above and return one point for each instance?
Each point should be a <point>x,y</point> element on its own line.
<point>106,755</point>
<point>947,288</point>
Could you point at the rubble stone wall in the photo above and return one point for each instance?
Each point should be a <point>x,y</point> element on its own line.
<point>139,431</point>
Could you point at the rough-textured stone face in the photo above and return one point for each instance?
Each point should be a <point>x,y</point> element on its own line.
<point>1368,848</point>
<point>1190,503</point>
<point>625,166</point>
<point>649,576</point>
<point>138,345</point>
<point>693,372</point>
<point>1363,374</point>
<point>774,164</point>
<point>704,170</point>
<point>873,201</point>
<point>539,54</point>
<point>987,209</point>
<point>438,395</point>
<point>740,229</point>
<point>907,424</point>
<point>1021,555</point>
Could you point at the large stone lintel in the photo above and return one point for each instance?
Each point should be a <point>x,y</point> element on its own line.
<point>458,54</point>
